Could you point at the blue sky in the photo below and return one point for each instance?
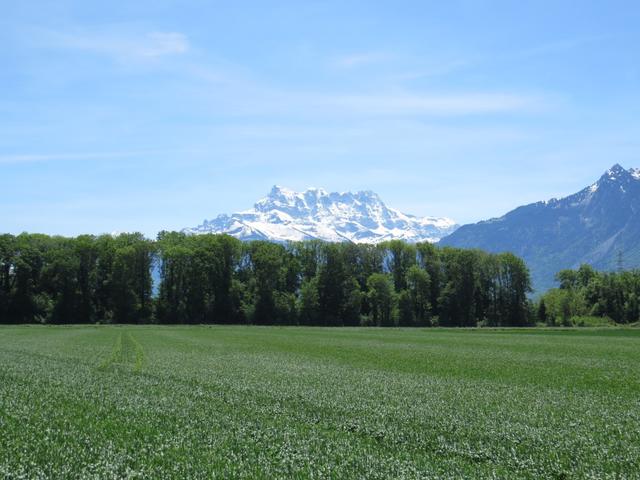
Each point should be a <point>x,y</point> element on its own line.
<point>150,115</point>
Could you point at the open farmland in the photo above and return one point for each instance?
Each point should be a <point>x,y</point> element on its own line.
<point>282,402</point>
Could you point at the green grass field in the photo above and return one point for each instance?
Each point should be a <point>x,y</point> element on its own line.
<point>262,402</point>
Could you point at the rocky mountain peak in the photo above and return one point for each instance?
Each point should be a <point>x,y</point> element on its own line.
<point>360,217</point>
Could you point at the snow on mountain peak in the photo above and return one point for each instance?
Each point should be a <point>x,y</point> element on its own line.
<point>635,173</point>
<point>617,173</point>
<point>616,169</point>
<point>360,217</point>
<point>613,181</point>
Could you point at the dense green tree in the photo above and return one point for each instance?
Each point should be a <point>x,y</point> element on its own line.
<point>218,279</point>
<point>405,313</point>
<point>274,270</point>
<point>7,275</point>
<point>174,297</point>
<point>104,293</point>
<point>309,302</point>
<point>196,278</point>
<point>60,282</point>
<point>515,284</point>
<point>131,276</point>
<point>27,303</point>
<point>428,258</point>
<point>86,251</point>
<point>415,299</point>
<point>457,298</point>
<point>399,258</point>
<point>382,299</point>
<point>339,292</point>
<point>542,312</point>
<point>585,292</point>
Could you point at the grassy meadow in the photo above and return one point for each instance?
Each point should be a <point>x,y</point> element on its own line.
<point>287,402</point>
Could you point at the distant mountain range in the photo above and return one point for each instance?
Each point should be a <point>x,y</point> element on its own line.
<point>599,225</point>
<point>360,217</point>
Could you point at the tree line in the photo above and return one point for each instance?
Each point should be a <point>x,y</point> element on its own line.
<point>585,293</point>
<point>218,279</point>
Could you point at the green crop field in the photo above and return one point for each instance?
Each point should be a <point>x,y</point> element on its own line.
<point>287,402</point>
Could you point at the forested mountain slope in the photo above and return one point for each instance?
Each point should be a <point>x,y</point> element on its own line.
<point>599,225</point>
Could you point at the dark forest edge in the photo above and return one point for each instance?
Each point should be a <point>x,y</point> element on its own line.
<point>586,297</point>
<point>218,279</point>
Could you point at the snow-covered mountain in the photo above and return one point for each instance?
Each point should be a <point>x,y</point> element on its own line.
<point>360,217</point>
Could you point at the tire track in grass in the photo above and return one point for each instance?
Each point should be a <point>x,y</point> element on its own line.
<point>138,353</point>
<point>116,353</point>
<point>126,352</point>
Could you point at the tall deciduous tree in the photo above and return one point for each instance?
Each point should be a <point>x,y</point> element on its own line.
<point>383,299</point>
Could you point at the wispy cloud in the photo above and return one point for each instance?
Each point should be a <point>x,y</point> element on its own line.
<point>387,104</point>
<point>427,104</point>
<point>434,70</point>
<point>121,45</point>
<point>555,47</point>
<point>76,156</point>
<point>355,60</point>
<point>477,60</point>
